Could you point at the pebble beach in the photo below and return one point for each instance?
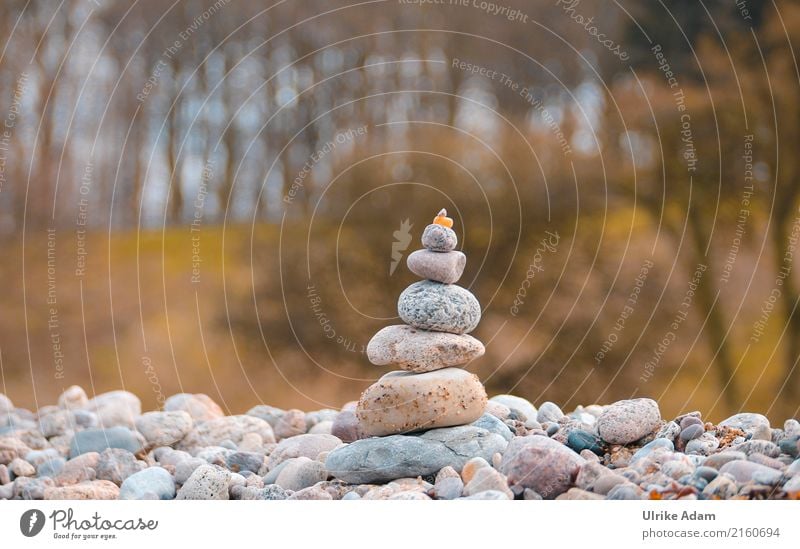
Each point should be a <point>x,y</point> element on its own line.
<point>106,448</point>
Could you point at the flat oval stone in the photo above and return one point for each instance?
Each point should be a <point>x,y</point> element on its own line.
<point>628,420</point>
<point>401,402</point>
<point>439,307</point>
<point>381,459</point>
<point>445,267</point>
<point>439,238</point>
<point>420,350</point>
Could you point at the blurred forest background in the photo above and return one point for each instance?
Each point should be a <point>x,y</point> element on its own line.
<point>204,195</point>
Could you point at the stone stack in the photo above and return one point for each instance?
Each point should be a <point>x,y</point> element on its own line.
<point>430,390</point>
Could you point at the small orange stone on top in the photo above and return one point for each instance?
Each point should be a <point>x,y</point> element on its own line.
<point>442,219</point>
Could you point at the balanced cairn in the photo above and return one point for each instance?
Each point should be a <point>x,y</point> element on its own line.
<point>430,391</point>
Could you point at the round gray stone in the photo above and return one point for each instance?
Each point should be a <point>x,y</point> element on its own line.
<point>439,307</point>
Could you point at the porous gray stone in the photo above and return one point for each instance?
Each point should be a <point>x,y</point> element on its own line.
<point>206,482</point>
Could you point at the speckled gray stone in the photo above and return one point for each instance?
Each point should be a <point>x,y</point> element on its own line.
<point>438,238</point>
<point>439,307</point>
<point>421,351</point>
<point>757,446</point>
<point>444,267</point>
<point>628,420</point>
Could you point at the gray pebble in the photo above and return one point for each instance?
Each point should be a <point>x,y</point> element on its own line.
<point>151,483</point>
<point>438,238</point>
<point>439,307</point>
